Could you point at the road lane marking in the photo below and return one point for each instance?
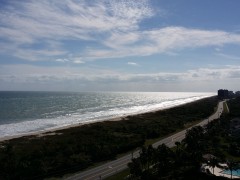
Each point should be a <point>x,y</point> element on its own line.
<point>102,173</point>
<point>166,141</point>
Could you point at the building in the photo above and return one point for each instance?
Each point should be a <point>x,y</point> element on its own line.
<point>237,93</point>
<point>231,94</point>
<point>223,94</point>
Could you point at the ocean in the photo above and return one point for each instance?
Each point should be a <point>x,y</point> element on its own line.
<point>27,112</point>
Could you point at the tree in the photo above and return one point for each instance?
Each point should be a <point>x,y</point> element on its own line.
<point>194,137</point>
<point>195,144</point>
<point>180,155</point>
<point>213,163</point>
<point>232,165</point>
<point>150,156</point>
<point>141,167</point>
<point>135,168</point>
<point>143,158</point>
<point>164,156</point>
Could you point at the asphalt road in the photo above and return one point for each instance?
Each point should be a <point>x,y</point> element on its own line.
<point>120,164</point>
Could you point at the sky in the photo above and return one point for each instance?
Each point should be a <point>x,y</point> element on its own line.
<point>119,45</point>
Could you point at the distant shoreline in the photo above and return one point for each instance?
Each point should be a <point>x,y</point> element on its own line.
<point>75,148</point>
<point>53,131</point>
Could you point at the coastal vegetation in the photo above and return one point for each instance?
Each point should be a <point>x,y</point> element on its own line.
<point>76,148</point>
<point>220,139</point>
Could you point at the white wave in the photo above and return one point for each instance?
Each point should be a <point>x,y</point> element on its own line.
<point>90,116</point>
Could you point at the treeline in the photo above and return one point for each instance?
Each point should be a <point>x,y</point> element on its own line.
<point>77,148</point>
<point>234,106</point>
<point>184,161</point>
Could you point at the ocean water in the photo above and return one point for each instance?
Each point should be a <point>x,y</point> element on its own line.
<point>25,112</point>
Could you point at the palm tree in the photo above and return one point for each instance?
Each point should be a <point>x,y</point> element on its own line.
<point>213,163</point>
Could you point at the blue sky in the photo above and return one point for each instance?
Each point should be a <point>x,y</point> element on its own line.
<point>120,45</point>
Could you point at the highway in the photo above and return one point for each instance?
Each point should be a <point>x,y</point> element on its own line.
<point>120,164</point>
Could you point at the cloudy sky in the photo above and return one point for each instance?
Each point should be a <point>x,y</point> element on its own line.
<point>120,45</point>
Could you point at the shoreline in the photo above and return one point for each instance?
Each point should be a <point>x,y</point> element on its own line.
<point>53,131</point>
<point>75,149</point>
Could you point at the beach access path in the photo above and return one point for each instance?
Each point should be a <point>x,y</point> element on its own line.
<point>115,166</point>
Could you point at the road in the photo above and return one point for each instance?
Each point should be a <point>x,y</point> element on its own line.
<point>120,164</point>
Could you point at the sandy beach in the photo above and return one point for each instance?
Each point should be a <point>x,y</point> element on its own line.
<point>53,131</point>
<point>82,145</point>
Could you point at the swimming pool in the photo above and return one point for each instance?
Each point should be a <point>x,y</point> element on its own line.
<point>234,172</point>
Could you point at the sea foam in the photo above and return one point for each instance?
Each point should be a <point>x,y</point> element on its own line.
<point>117,105</point>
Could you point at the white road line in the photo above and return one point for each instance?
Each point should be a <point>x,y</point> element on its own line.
<point>101,174</point>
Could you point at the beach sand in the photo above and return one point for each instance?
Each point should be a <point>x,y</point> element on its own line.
<point>53,131</point>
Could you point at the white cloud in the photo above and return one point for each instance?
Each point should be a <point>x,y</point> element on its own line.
<point>170,38</point>
<point>164,40</point>
<point>34,74</point>
<point>78,61</point>
<point>70,19</point>
<point>38,55</point>
<point>112,24</point>
<point>25,23</point>
<point>133,64</point>
<point>62,60</point>
<point>228,56</point>
<point>132,11</point>
<point>75,60</point>
<point>119,39</point>
<point>80,78</point>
